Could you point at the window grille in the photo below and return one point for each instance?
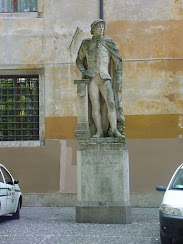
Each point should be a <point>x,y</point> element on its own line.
<point>19,108</point>
<point>18,6</point>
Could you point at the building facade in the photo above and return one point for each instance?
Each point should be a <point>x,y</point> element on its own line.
<point>39,44</point>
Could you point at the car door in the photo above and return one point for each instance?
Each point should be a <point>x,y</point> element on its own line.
<point>3,195</point>
<point>10,201</point>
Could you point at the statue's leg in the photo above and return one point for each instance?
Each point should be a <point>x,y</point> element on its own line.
<point>108,94</point>
<point>95,101</point>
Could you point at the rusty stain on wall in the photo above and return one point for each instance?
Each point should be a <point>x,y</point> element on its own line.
<point>153,87</point>
<point>147,39</point>
<point>177,1</point>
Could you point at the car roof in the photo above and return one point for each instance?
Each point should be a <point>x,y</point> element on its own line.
<point>181,166</point>
<point>4,167</point>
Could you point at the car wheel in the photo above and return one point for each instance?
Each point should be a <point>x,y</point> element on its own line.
<point>16,215</point>
<point>165,240</point>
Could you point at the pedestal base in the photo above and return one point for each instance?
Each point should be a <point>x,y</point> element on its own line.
<point>104,214</point>
<point>103,184</point>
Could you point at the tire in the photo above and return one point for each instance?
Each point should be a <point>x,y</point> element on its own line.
<point>16,215</point>
<point>165,240</point>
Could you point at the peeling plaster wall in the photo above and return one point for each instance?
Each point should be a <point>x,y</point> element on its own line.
<point>21,40</point>
<point>64,32</point>
<point>149,37</point>
<point>143,10</point>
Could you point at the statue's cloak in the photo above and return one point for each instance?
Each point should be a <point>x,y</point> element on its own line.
<point>115,72</point>
<point>111,46</point>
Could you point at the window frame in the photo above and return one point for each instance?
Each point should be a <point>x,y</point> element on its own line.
<point>1,174</point>
<point>41,140</point>
<point>180,171</point>
<point>8,174</point>
<point>15,7</point>
<point>37,14</point>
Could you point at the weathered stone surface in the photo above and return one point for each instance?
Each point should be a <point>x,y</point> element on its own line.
<point>103,176</point>
<point>99,61</point>
<point>143,10</point>
<point>104,214</point>
<point>103,186</point>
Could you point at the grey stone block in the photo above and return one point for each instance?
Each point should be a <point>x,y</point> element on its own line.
<point>104,214</point>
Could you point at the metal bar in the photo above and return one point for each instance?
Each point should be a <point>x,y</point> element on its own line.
<point>22,123</point>
<point>15,5</point>
<point>24,116</point>
<point>19,102</point>
<point>101,9</point>
<point>26,129</point>
<point>16,107</point>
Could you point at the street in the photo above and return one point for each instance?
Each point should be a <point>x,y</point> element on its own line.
<point>58,226</point>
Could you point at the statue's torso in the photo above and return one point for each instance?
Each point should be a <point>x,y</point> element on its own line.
<point>98,58</point>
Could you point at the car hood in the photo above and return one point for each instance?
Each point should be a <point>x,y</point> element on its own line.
<point>173,198</point>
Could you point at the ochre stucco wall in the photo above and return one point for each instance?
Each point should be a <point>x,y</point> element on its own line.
<point>149,37</point>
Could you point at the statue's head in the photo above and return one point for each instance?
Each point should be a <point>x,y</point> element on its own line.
<point>97,27</point>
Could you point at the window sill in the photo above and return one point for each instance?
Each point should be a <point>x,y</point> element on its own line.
<point>21,143</point>
<point>18,15</point>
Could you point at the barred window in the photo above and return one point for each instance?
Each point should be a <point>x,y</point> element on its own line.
<point>19,108</point>
<point>18,6</point>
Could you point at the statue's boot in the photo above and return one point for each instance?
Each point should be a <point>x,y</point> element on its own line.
<point>98,134</point>
<point>117,134</point>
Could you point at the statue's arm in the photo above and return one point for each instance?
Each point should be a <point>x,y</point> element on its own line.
<point>118,70</point>
<point>80,59</point>
<point>118,88</point>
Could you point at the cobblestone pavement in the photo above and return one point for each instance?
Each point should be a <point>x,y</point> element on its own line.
<point>58,226</point>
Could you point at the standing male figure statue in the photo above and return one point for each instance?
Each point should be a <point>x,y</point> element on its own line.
<point>99,61</point>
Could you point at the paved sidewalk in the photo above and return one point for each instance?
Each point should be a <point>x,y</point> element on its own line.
<point>58,226</point>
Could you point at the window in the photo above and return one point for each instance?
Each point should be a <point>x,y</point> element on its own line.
<point>18,6</point>
<point>7,177</point>
<point>178,181</point>
<point>19,108</point>
<point>1,178</point>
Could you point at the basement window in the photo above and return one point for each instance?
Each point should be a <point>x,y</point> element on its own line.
<point>9,6</point>
<point>19,108</point>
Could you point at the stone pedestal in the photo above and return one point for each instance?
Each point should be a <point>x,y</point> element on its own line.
<point>103,186</point>
<point>102,172</point>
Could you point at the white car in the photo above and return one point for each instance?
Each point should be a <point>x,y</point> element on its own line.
<point>10,194</point>
<point>171,209</point>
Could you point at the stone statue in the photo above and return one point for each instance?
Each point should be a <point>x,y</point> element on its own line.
<point>99,61</point>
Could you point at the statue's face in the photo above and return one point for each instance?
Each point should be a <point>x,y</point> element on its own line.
<point>98,29</point>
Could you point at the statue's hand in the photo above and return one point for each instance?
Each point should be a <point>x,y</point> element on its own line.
<point>83,74</point>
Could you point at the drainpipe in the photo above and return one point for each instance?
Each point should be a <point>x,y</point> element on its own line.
<point>101,9</point>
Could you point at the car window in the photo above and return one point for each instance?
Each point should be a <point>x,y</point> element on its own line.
<point>178,180</point>
<point>1,177</point>
<point>7,177</point>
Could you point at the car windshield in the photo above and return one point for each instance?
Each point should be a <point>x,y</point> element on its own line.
<point>178,181</point>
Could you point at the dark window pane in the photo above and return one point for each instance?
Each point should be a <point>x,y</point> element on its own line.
<point>27,5</point>
<point>7,177</point>
<point>1,178</point>
<point>6,6</point>
<point>18,5</point>
<point>19,108</point>
<point>178,180</point>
